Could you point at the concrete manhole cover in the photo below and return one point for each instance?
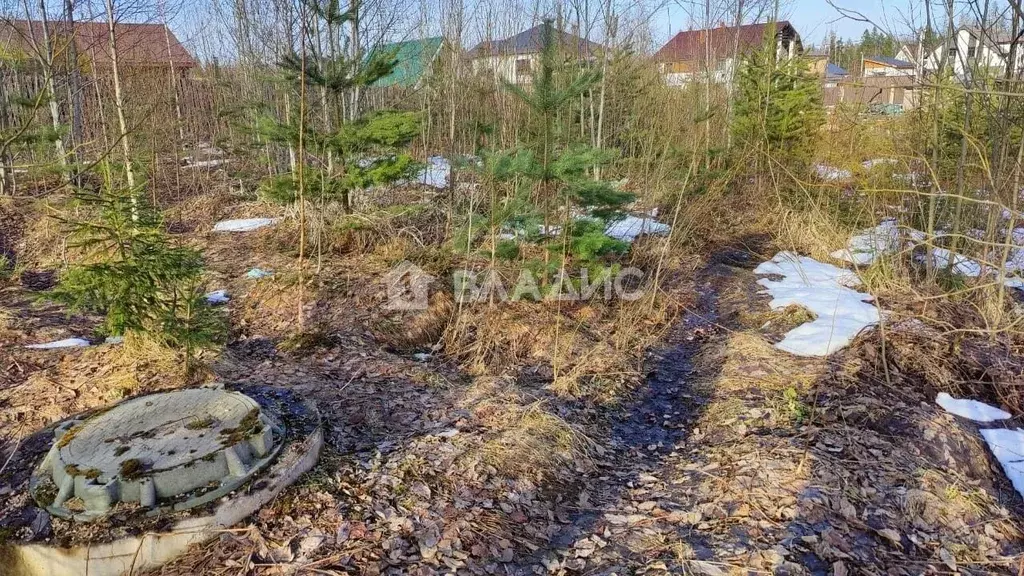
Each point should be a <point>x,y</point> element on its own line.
<point>171,451</point>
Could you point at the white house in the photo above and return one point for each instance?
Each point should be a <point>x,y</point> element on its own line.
<point>969,51</point>
<point>516,58</point>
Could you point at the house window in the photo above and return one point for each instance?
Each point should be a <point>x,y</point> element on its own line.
<point>522,67</point>
<point>972,51</point>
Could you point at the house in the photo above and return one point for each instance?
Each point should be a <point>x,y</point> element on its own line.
<point>817,62</point>
<point>972,50</point>
<point>834,75</point>
<point>687,54</point>
<point>139,46</point>
<point>416,60</point>
<point>886,66</point>
<point>515,58</point>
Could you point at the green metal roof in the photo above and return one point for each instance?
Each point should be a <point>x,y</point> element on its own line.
<point>414,60</point>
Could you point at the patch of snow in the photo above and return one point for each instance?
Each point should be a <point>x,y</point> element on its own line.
<point>244,225</point>
<point>1008,447</point>
<point>258,274</point>
<point>630,227</point>
<point>208,163</point>
<point>915,179</point>
<point>114,340</point>
<point>1017,283</point>
<point>869,164</point>
<point>825,290</point>
<point>66,343</point>
<point>866,246</point>
<point>422,356</point>
<point>218,297</point>
<point>970,409</point>
<point>436,173</point>
<point>962,265</point>
<point>831,173</point>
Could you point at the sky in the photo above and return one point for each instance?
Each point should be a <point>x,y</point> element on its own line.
<point>814,19</point>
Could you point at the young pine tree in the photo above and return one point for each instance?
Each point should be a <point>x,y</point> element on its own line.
<point>778,108</point>
<point>342,154</point>
<point>135,276</point>
<point>559,166</point>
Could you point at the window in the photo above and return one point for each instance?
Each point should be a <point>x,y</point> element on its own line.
<point>523,67</point>
<point>972,51</point>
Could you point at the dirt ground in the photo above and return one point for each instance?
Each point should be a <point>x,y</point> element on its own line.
<point>726,456</point>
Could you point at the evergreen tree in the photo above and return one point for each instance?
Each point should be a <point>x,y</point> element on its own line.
<point>133,275</point>
<point>366,150</point>
<point>560,168</point>
<point>778,107</point>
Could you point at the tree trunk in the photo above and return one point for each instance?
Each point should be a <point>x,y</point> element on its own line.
<point>122,122</point>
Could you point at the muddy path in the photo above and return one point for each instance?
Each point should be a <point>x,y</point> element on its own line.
<point>645,433</point>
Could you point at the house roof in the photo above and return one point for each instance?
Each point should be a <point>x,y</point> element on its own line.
<point>891,62</point>
<point>137,44</point>
<point>833,71</point>
<point>693,44</point>
<point>414,59</point>
<point>530,41</point>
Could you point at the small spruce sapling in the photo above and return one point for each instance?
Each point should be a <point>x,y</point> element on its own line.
<point>135,276</point>
<point>560,167</point>
<point>369,150</point>
<point>778,107</point>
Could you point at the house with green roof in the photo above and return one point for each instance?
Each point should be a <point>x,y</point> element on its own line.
<point>415,62</point>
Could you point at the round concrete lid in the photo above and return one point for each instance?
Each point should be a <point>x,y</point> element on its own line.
<point>184,447</point>
<point>165,431</point>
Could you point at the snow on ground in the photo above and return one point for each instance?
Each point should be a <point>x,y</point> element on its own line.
<point>866,246</point>
<point>841,312</point>
<point>831,173</point>
<point>1008,447</point>
<point>630,227</point>
<point>66,343</point>
<point>962,265</point>
<point>869,164</point>
<point>244,225</point>
<point>970,409</point>
<point>436,173</point>
<point>627,229</point>
<point>258,274</point>
<point>208,163</point>
<point>218,297</point>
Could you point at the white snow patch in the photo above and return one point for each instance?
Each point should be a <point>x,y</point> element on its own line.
<point>208,163</point>
<point>962,265</point>
<point>436,173</point>
<point>218,297</point>
<point>630,227</point>
<point>258,274</point>
<point>1017,283</point>
<point>866,246</point>
<point>1008,447</point>
<point>869,164</point>
<point>841,312</point>
<point>831,173</point>
<point>970,409</point>
<point>66,343</point>
<point>244,225</point>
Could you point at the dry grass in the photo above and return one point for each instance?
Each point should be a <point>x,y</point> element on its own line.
<point>523,439</point>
